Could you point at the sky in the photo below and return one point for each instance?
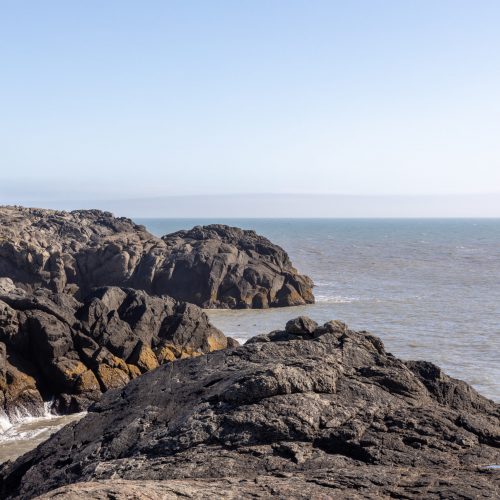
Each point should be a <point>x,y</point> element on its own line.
<point>126,100</point>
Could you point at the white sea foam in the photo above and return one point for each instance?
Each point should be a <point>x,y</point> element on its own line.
<point>22,415</point>
<point>5,423</point>
<point>336,299</point>
<point>24,431</point>
<point>24,425</point>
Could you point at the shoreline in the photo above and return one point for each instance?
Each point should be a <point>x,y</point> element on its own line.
<point>26,434</point>
<point>120,337</point>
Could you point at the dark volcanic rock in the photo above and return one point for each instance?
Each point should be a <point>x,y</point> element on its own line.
<point>327,415</point>
<point>51,345</point>
<point>230,267</point>
<point>213,266</point>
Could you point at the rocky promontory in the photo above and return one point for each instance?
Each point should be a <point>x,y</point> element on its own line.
<point>211,266</point>
<point>54,347</point>
<point>307,412</point>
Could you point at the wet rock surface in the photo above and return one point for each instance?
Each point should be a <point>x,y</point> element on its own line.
<point>212,266</point>
<point>55,347</point>
<point>308,412</point>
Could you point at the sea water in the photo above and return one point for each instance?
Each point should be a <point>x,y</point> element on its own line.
<point>430,288</point>
<point>23,431</point>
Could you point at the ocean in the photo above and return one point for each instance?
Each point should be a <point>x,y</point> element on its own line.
<point>429,288</point>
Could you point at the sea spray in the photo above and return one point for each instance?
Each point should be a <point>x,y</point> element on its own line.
<point>5,422</point>
<point>22,414</point>
<point>23,430</point>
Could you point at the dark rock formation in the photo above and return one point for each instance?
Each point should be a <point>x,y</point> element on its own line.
<point>318,412</point>
<point>51,345</point>
<point>230,267</point>
<point>213,266</point>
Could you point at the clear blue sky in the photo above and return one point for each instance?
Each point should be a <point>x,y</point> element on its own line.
<point>150,98</point>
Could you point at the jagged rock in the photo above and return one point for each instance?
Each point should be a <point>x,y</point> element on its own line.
<point>327,415</point>
<point>229,267</point>
<point>212,266</point>
<point>144,358</point>
<point>7,285</point>
<point>19,395</point>
<point>51,345</point>
<point>301,325</point>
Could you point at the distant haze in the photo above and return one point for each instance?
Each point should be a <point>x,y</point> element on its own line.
<point>287,206</point>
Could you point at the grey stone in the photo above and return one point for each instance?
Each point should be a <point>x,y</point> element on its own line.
<point>301,326</point>
<point>211,266</point>
<point>53,346</point>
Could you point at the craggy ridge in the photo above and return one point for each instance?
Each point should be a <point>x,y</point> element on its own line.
<point>212,266</point>
<point>55,347</point>
<point>307,412</point>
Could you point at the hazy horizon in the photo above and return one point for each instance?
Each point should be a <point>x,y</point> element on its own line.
<point>280,205</point>
<point>118,100</point>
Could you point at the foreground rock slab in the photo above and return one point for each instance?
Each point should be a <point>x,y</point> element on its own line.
<point>307,412</point>
<point>335,484</point>
<point>55,347</point>
<point>212,266</point>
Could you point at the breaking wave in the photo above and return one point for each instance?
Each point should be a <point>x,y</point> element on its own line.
<point>23,431</point>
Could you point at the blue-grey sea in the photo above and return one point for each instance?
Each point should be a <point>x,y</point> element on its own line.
<point>430,288</point>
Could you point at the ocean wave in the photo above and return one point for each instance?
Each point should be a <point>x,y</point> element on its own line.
<point>22,415</point>
<point>336,299</point>
<point>22,425</point>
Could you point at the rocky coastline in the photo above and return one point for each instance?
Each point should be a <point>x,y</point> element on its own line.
<point>54,347</point>
<point>98,314</point>
<point>213,266</point>
<point>307,412</point>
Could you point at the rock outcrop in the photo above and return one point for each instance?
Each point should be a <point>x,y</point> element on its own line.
<point>212,266</point>
<point>230,267</point>
<point>53,346</point>
<point>308,412</point>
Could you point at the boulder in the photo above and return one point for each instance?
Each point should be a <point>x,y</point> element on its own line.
<point>327,415</point>
<point>301,325</point>
<point>144,358</point>
<point>55,347</point>
<point>19,395</point>
<point>212,266</point>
